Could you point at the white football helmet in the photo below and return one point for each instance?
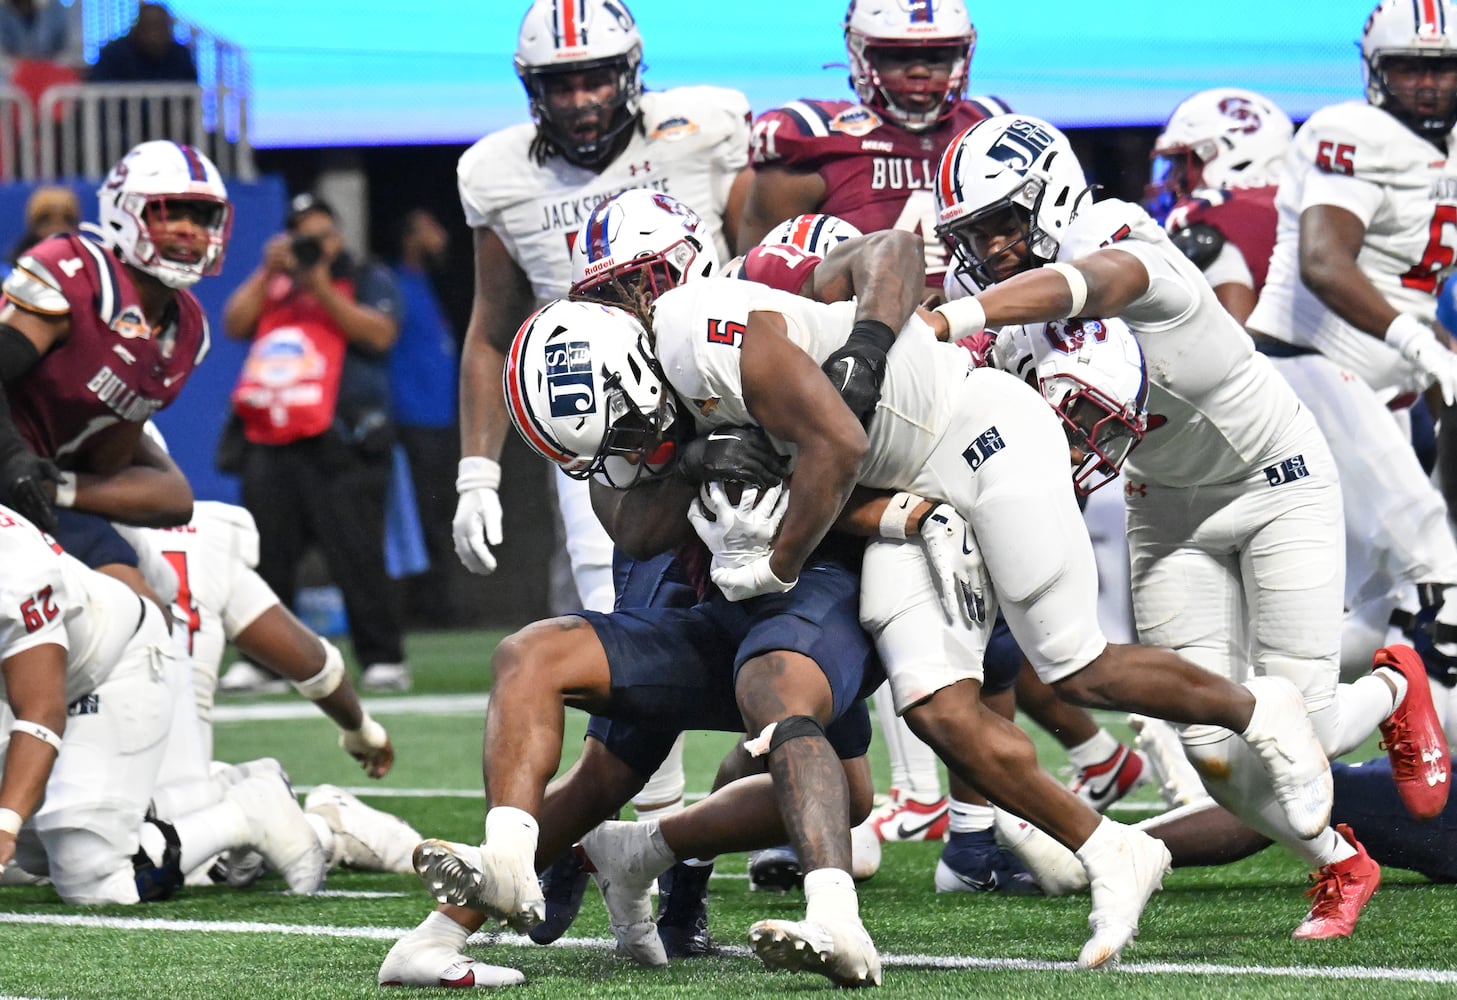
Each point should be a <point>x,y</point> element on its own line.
<point>640,243</point>
<point>1237,137</point>
<point>872,25</point>
<point>814,233</point>
<point>138,193</point>
<point>576,36</point>
<point>584,389</point>
<point>1425,29</point>
<point>1004,163</point>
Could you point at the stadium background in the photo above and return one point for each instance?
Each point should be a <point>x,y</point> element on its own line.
<point>374,101</point>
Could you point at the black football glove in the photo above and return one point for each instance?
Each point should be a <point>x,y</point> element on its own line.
<point>738,454</point>
<point>23,476</point>
<point>858,368</point>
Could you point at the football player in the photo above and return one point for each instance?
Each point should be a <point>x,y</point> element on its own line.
<point>99,331</point>
<point>526,191</point>
<point>89,686</point>
<point>1223,148</point>
<point>220,598</point>
<point>871,161</point>
<point>1363,244</point>
<point>1232,496</point>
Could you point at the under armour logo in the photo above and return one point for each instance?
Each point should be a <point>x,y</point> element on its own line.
<point>1132,489</point>
<point>1437,773</point>
<point>633,168</point>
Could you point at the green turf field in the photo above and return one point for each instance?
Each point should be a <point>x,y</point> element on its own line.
<point>1211,933</point>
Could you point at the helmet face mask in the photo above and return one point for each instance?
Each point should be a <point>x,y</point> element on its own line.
<point>1409,53</point>
<point>909,58</point>
<point>580,62</point>
<point>994,243</point>
<point>166,212</point>
<point>584,390</point>
<point>1100,432</point>
<point>1007,164</point>
<point>636,246</point>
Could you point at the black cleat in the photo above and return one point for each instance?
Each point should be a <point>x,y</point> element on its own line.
<point>563,884</point>
<point>683,911</point>
<point>775,869</point>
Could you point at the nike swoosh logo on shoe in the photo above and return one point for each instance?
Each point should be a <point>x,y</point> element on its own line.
<point>912,832</point>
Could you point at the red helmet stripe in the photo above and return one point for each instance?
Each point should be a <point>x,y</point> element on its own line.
<point>1430,17</point>
<point>947,181</point>
<point>567,21</point>
<point>195,169</point>
<point>802,232</point>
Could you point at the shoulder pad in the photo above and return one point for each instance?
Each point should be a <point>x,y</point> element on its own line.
<point>215,516</point>
<point>796,133</point>
<point>1200,242</point>
<point>1357,140</point>
<point>32,286</point>
<point>1105,224</point>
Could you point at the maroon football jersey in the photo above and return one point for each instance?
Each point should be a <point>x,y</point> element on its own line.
<point>877,175</point>
<point>111,366</point>
<point>1245,217</point>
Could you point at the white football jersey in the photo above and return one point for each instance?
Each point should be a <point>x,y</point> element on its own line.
<point>693,142</point>
<point>1215,405</point>
<point>1404,189</point>
<point>213,556</point>
<point>47,596</point>
<point>699,326</point>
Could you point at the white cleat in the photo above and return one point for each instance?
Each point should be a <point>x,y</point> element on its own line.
<point>478,878</point>
<point>1123,877</point>
<point>842,953</point>
<point>1179,783</point>
<point>1056,869</point>
<point>279,831</point>
<point>364,837</point>
<point>410,963</point>
<point>1292,754</point>
<point>625,876</point>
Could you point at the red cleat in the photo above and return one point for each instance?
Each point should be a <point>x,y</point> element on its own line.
<point>1105,783</point>
<point>905,818</point>
<point>1412,737</point>
<point>1341,890</point>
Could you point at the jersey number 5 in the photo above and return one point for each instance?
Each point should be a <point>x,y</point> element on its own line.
<point>725,331</point>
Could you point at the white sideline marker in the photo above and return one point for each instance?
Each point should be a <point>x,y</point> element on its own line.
<point>1378,974</point>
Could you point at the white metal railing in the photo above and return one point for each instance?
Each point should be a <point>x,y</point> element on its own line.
<point>17,136</point>
<point>85,128</point>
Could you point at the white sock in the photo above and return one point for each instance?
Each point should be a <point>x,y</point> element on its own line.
<point>1327,848</point>
<point>1093,751</point>
<point>209,831</point>
<point>1396,678</point>
<point>829,896</point>
<point>1107,835</point>
<point>968,818</point>
<point>511,829</point>
<point>663,793</point>
<point>437,928</point>
<point>891,733</point>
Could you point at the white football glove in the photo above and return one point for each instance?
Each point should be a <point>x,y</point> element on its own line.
<point>737,534</point>
<point>1416,342</point>
<point>739,583</point>
<point>477,523</point>
<point>956,565</point>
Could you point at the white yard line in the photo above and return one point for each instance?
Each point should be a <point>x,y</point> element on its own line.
<point>414,704</point>
<point>1342,972</point>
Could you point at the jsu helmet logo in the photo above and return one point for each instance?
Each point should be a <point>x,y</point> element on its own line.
<point>569,379</point>
<point>1021,145</point>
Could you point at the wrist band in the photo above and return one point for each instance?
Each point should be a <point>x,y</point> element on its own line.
<point>964,316</point>
<point>66,490</point>
<point>1077,285</point>
<point>477,473</point>
<point>328,679</point>
<point>10,822</point>
<point>36,730</point>
<point>897,514</point>
<point>369,736</point>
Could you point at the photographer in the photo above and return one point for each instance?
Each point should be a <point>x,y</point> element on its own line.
<point>313,399</point>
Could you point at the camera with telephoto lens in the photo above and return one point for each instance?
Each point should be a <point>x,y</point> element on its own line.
<point>307,250</point>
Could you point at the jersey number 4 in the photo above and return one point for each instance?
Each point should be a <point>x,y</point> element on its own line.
<point>1438,255</point>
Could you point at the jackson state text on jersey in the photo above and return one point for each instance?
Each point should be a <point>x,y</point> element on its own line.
<point>877,175</point>
<point>692,144</point>
<point>111,367</point>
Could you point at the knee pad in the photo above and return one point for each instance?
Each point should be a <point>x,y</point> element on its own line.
<point>158,880</point>
<point>87,868</point>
